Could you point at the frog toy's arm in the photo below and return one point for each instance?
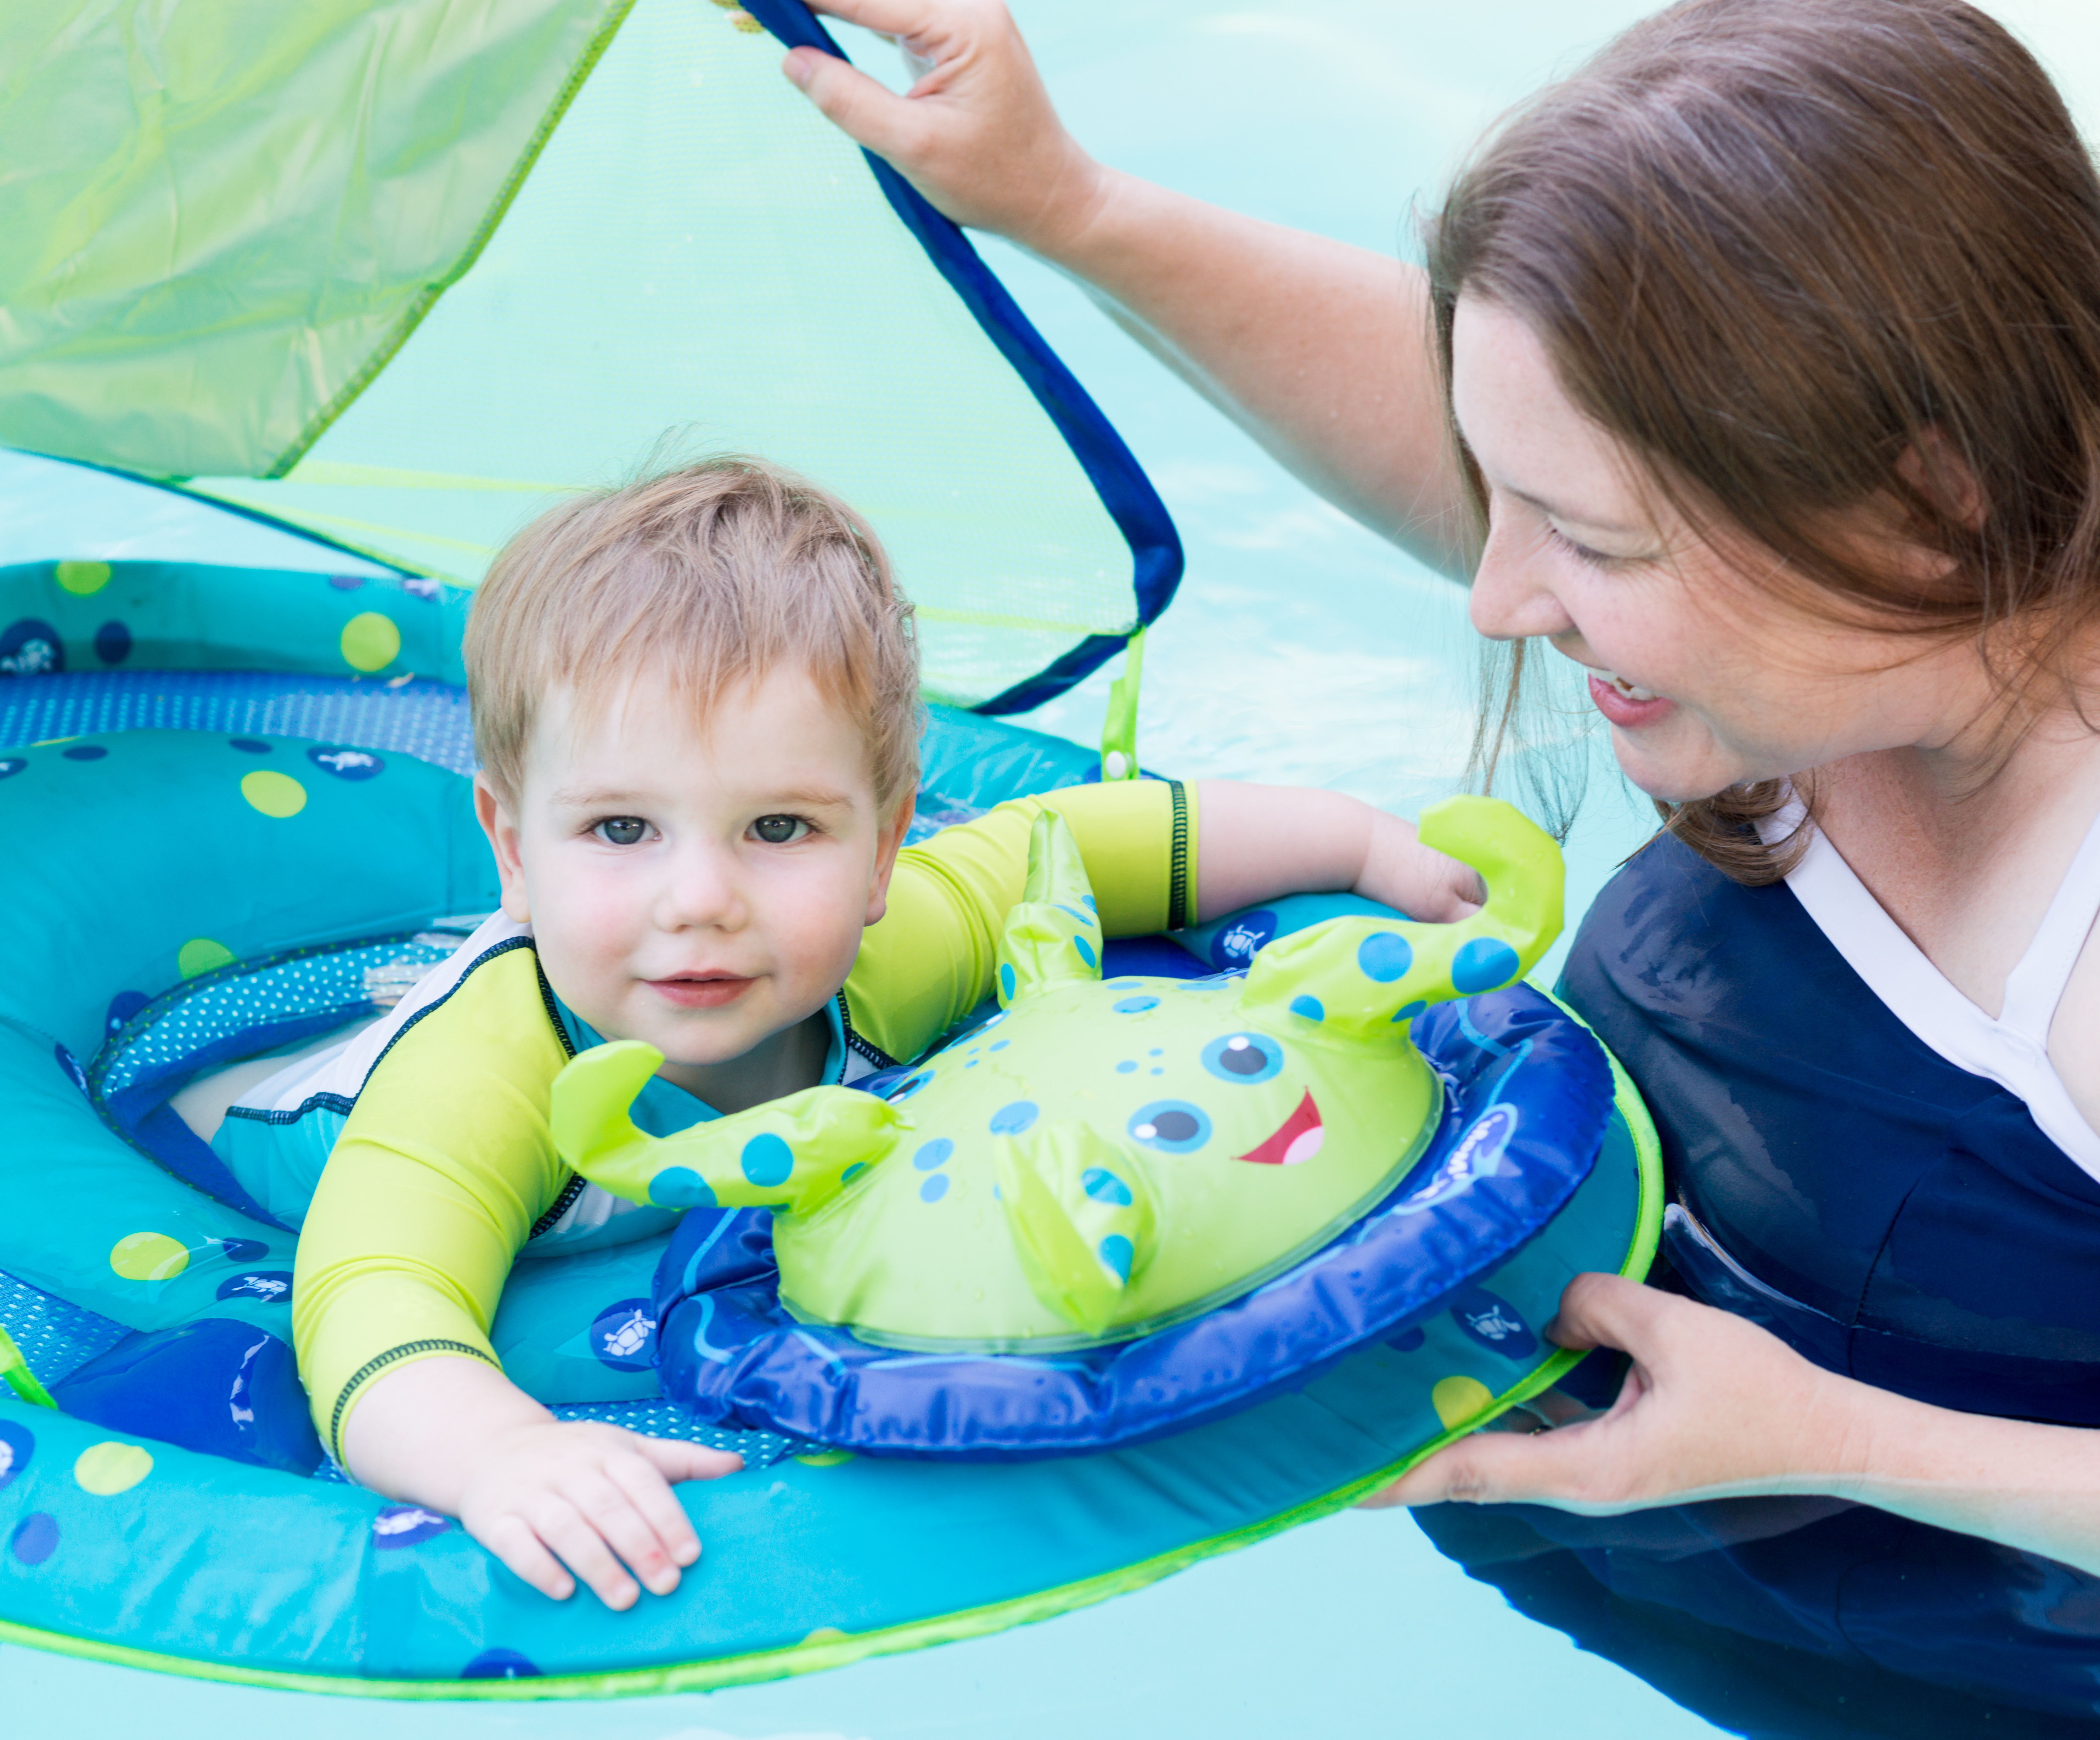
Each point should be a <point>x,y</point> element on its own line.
<point>1364,979</point>
<point>1053,937</point>
<point>1082,1218</point>
<point>791,1154</point>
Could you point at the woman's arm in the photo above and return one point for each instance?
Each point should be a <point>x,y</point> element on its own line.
<point>1716,1407</point>
<point>1319,350</point>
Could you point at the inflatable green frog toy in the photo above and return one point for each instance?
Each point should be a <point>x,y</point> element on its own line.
<point>1099,1160</point>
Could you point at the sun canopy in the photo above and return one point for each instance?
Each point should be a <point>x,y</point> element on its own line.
<point>400,275</point>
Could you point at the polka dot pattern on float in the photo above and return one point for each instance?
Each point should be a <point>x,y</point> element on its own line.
<point>83,579</point>
<point>112,643</point>
<point>1006,981</point>
<point>823,1634</point>
<point>681,1187</point>
<point>274,794</point>
<point>767,1160</point>
<point>1459,1400</point>
<point>148,1256</point>
<point>1085,951</point>
<point>200,955</point>
<point>1309,1008</point>
<point>1011,1119</point>
<point>109,1468</point>
<point>35,1539</point>
<point>1104,1185</point>
<point>1135,1005</point>
<point>84,752</point>
<point>1406,1340</point>
<point>1384,956</point>
<point>248,745</point>
<point>370,641</point>
<point>1483,964</point>
<point>824,1458</point>
<point>122,1006</point>
<point>17,1445</point>
<point>499,1664</point>
<point>11,765</point>
<point>934,1153</point>
<point>401,1525</point>
<point>933,1187</point>
<point>320,982</point>
<point>1493,1324</point>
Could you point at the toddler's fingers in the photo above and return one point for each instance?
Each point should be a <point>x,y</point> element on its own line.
<point>646,1489</point>
<point>581,1546</point>
<point>675,1460</point>
<point>510,1538</point>
<point>607,1508</point>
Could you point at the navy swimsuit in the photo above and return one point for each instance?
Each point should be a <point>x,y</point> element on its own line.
<point>1895,1214</point>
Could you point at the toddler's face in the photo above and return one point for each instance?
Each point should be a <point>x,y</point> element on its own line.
<point>700,885</point>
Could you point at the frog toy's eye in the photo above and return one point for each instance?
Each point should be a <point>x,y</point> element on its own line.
<point>780,831</point>
<point>622,830</point>
<point>1173,1126</point>
<point>1243,1057</point>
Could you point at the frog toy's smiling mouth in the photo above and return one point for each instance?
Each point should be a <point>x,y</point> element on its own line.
<point>1297,1138</point>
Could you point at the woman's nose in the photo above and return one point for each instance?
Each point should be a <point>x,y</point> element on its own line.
<point>1513,597</point>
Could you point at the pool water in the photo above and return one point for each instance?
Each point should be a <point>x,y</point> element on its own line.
<point>1302,648</point>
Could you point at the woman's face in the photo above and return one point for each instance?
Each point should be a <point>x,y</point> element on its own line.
<point>1708,678</point>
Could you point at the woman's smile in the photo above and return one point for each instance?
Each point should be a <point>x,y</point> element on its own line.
<point>1627,704</point>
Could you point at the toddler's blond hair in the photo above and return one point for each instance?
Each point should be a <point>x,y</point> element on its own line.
<point>713,574</point>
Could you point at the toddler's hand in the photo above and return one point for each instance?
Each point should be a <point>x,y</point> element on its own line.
<point>593,1497</point>
<point>1400,871</point>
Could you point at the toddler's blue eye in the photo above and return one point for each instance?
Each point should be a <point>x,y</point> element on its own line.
<point>1243,1057</point>
<point>1173,1126</point>
<point>780,831</point>
<point>622,830</point>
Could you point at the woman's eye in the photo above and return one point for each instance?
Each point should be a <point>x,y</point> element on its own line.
<point>622,830</point>
<point>780,831</point>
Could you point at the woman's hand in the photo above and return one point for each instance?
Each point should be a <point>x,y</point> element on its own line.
<point>976,135</point>
<point>1713,1407</point>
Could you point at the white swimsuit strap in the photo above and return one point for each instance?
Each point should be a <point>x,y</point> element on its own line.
<point>2034,987</point>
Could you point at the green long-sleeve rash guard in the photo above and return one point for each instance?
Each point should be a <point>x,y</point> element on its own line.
<point>446,1166</point>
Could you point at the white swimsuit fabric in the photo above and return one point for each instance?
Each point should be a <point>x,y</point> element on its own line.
<point>2013,1049</point>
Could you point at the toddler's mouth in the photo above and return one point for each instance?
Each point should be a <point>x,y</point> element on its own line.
<point>701,990</point>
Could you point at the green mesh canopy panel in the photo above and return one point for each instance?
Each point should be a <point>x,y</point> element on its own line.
<point>402,276</point>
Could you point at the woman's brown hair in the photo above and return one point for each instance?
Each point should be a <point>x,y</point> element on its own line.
<point>1781,248</point>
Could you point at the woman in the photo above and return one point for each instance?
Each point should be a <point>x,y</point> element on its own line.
<point>1771,343</point>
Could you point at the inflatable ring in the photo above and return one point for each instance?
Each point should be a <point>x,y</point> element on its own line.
<point>1527,1099</point>
<point>162,1515</point>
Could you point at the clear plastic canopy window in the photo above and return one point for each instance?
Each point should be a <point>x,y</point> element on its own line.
<point>400,276</point>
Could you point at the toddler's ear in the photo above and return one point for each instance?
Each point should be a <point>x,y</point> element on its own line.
<point>502,828</point>
<point>889,842</point>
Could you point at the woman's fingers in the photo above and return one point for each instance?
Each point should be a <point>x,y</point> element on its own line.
<point>977,135</point>
<point>1608,1311</point>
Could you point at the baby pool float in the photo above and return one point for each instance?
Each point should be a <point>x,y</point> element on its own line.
<point>174,899</point>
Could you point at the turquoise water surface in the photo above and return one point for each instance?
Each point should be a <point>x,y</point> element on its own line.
<point>1302,648</point>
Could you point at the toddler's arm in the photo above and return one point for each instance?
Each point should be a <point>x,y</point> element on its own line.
<point>444,1167</point>
<point>1257,843</point>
